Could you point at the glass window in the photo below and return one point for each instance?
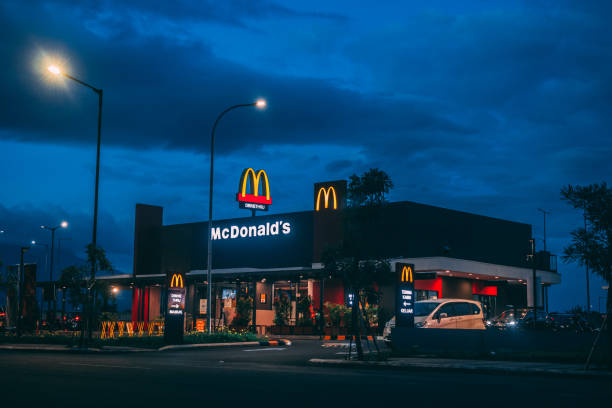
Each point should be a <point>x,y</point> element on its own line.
<point>463,309</point>
<point>449,309</point>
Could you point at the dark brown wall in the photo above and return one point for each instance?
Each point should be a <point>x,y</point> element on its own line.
<point>457,288</point>
<point>147,239</point>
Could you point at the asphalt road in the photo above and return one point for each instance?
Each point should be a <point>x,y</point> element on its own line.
<point>265,376</point>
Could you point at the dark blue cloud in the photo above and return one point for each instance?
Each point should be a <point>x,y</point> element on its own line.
<point>488,108</point>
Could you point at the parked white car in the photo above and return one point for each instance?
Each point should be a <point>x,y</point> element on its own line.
<point>444,314</point>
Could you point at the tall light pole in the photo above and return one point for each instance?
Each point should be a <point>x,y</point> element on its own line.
<point>63,224</point>
<point>261,104</point>
<point>57,71</point>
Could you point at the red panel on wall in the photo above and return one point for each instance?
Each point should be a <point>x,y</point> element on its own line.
<point>333,291</point>
<point>481,288</point>
<point>429,284</point>
<point>135,304</point>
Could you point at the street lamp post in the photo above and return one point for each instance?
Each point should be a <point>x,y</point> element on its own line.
<point>56,71</point>
<point>259,104</point>
<point>63,224</point>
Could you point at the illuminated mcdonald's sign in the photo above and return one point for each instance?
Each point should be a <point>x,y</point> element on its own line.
<point>254,200</point>
<point>407,274</point>
<point>176,281</point>
<point>326,193</point>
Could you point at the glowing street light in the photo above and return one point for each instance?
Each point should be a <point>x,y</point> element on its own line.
<point>63,224</point>
<point>260,103</point>
<point>54,69</point>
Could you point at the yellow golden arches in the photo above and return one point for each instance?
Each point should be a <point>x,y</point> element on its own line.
<point>255,185</point>
<point>326,193</point>
<point>176,281</point>
<point>407,274</point>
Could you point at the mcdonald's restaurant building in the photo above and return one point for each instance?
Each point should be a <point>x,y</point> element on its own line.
<point>455,254</point>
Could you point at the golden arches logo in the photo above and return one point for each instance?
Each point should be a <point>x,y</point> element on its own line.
<point>176,281</point>
<point>407,274</point>
<point>326,193</point>
<point>254,182</point>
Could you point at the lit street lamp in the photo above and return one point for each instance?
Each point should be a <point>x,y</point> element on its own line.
<point>261,104</point>
<point>63,224</point>
<point>54,69</point>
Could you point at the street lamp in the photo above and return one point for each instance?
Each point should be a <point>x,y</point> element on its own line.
<point>260,104</point>
<point>63,224</point>
<point>55,70</point>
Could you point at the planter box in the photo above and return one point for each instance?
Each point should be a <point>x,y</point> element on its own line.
<point>285,330</point>
<point>275,329</point>
<point>327,331</point>
<point>307,330</point>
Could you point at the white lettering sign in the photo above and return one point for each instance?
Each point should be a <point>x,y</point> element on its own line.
<point>261,230</point>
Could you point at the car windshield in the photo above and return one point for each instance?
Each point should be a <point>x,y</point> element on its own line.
<point>424,308</point>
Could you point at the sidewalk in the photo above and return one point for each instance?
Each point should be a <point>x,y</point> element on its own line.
<point>123,349</point>
<point>473,366</point>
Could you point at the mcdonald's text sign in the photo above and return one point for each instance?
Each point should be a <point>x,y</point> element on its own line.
<point>405,295</point>
<point>254,190</point>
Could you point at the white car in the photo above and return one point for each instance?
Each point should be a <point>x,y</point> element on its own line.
<point>444,314</point>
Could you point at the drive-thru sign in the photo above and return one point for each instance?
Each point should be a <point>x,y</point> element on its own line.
<point>175,313</point>
<point>404,296</point>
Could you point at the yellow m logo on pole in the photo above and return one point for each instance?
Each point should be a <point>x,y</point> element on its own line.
<point>407,274</point>
<point>326,193</point>
<point>254,182</point>
<point>176,281</point>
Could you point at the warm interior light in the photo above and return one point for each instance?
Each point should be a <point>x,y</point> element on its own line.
<point>54,69</point>
<point>261,103</point>
<point>33,242</point>
<point>115,289</point>
<point>64,224</point>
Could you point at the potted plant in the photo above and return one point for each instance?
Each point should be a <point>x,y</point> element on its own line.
<point>281,315</point>
<point>244,311</point>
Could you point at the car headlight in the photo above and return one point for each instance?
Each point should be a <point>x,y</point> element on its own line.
<point>512,323</point>
<point>420,324</point>
<point>488,323</point>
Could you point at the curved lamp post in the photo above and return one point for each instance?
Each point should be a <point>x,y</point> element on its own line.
<point>54,69</point>
<point>261,104</point>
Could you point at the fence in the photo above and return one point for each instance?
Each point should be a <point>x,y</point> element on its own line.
<point>111,329</point>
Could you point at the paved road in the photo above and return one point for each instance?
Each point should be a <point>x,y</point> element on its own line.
<point>264,376</point>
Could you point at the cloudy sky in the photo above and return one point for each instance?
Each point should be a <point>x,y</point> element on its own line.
<point>482,106</point>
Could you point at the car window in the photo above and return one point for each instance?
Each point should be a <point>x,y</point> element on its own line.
<point>463,309</point>
<point>449,309</point>
<point>475,309</point>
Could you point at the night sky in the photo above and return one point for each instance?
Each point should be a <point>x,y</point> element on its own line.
<point>488,107</point>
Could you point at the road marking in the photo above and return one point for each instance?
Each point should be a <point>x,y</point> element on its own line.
<point>106,366</point>
<point>268,349</point>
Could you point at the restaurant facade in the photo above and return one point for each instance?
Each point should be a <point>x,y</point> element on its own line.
<point>267,257</point>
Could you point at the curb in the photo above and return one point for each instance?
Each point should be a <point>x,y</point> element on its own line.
<point>273,343</point>
<point>345,338</point>
<point>398,365</point>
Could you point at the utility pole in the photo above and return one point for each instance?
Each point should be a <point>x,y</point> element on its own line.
<point>534,278</point>
<point>586,264</point>
<point>20,289</point>
<point>544,214</point>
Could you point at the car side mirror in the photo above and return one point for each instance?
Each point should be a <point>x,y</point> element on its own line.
<point>442,316</point>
